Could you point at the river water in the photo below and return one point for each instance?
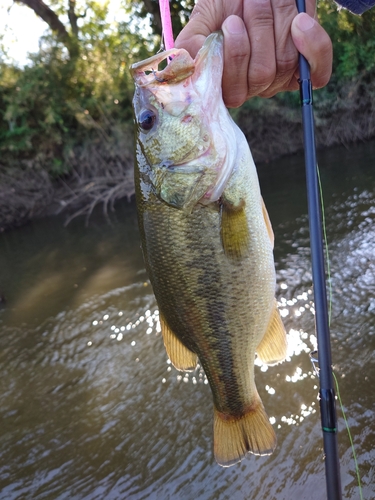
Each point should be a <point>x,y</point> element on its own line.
<point>90,407</point>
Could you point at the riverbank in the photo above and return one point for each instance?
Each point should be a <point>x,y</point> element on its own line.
<point>101,169</point>
<point>100,172</point>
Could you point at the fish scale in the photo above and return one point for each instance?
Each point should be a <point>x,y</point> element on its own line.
<point>208,246</point>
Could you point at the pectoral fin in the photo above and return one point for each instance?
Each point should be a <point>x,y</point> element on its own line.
<point>181,357</point>
<point>268,223</point>
<point>234,230</point>
<point>272,348</point>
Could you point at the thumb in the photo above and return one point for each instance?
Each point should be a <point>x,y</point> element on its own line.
<point>313,42</point>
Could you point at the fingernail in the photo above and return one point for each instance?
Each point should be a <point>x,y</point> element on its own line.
<point>234,25</point>
<point>304,22</point>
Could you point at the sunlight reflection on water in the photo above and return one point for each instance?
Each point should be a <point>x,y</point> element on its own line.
<point>92,408</point>
<point>122,327</point>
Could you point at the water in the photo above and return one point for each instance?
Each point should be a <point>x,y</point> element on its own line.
<point>92,409</point>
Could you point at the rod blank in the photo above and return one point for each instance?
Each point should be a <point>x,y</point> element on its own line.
<point>326,393</point>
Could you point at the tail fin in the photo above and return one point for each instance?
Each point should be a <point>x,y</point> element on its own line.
<point>235,437</point>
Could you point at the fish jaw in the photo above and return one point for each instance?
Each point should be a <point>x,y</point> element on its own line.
<point>182,122</point>
<point>182,66</point>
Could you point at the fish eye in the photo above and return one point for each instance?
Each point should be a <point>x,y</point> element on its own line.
<point>147,119</point>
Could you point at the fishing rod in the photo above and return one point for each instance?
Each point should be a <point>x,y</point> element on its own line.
<point>326,392</point>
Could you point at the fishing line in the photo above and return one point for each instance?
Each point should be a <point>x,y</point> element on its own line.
<point>350,436</point>
<point>166,24</point>
<point>329,322</point>
<point>328,264</point>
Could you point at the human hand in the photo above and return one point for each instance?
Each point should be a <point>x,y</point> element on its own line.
<point>261,43</point>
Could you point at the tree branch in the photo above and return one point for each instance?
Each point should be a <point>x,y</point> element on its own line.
<point>153,9</point>
<point>73,17</point>
<point>42,10</point>
<point>48,15</point>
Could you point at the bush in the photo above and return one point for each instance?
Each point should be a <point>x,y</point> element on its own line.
<point>58,102</point>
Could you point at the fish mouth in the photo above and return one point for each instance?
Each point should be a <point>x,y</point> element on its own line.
<point>180,65</point>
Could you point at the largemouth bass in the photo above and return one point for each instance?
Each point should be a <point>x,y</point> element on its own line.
<point>207,240</point>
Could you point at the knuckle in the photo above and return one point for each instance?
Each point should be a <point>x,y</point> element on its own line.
<point>286,62</point>
<point>262,22</point>
<point>286,9</point>
<point>234,94</point>
<point>234,102</point>
<point>261,74</point>
<point>321,80</point>
<point>268,93</point>
<point>238,56</point>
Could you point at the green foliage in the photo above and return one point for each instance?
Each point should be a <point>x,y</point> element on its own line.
<point>148,10</point>
<point>180,12</point>
<point>353,39</point>
<point>79,89</point>
<point>57,101</point>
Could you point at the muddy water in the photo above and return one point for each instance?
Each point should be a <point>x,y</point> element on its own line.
<point>90,407</point>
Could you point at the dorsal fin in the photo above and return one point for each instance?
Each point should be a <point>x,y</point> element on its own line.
<point>181,357</point>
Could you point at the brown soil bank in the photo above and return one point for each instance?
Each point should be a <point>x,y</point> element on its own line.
<point>347,118</point>
<point>101,171</point>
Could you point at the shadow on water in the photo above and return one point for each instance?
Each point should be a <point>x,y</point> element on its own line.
<point>46,267</point>
<point>92,409</point>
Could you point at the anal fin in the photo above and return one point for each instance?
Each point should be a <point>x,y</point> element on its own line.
<point>249,433</point>
<point>272,348</point>
<point>181,357</point>
<point>235,234</point>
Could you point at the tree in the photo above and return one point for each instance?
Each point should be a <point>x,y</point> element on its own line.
<point>69,35</point>
<point>180,12</point>
<point>69,39</point>
<point>77,85</point>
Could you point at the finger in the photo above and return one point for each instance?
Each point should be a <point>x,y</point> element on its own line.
<point>314,43</point>
<point>311,8</point>
<point>259,23</point>
<point>284,11</point>
<point>202,23</point>
<point>236,62</point>
<point>190,40</point>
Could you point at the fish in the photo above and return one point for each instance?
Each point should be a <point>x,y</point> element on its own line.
<point>207,240</point>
